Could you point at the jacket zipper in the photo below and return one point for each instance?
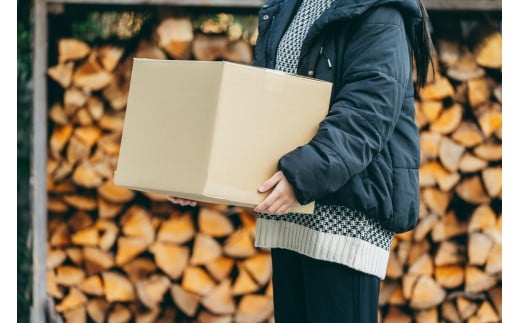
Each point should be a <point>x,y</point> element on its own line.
<point>268,38</point>
<point>322,52</point>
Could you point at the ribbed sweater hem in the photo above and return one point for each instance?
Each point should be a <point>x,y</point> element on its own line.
<point>349,251</point>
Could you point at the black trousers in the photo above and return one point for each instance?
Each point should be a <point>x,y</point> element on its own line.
<point>316,291</point>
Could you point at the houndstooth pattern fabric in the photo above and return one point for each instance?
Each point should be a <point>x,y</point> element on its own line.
<point>342,221</point>
<point>289,48</point>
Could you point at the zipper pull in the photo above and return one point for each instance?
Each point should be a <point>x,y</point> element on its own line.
<point>329,63</point>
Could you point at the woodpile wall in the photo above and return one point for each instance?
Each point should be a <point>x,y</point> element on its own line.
<point>116,255</point>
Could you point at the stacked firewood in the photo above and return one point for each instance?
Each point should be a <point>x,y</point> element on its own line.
<point>448,269</point>
<point>117,255</point>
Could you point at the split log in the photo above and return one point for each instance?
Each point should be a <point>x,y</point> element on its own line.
<point>96,260</point>
<point>465,68</point>
<point>205,250</point>
<point>220,268</point>
<point>62,73</point>
<point>139,269</point>
<point>448,227</point>
<point>77,151</point>
<point>150,316</point>
<point>431,110</point>
<point>151,291</point>
<point>449,277</point>
<point>494,260</point>
<point>486,313</point>
<point>468,134</point>
<point>475,280</point>
<point>239,245</point>
<point>449,119</point>
<point>437,90</point>
<point>117,287</point>
<point>72,49</point>
<point>448,253</point>
<point>86,176</point>
<point>137,222</point>
<point>214,223</point>
<point>108,232</point>
<point>492,178</point>
<point>188,302</point>
<point>95,107</point>
<point>394,268</point>
<point>97,309</point>
<point>450,153</point>
<point>260,267</point>
<point>427,316</point>
<point>177,229</point>
<point>170,258</point>
<point>73,99</point>
<point>175,36</point>
<point>489,151</point>
<point>244,283</point>
<point>436,200</point>
<point>59,138</point>
<point>449,312</point>
<point>472,191</point>
<point>109,56</point>
<point>79,202</point>
<point>465,307</point>
<point>53,289</point>
<point>92,286</point>
<point>54,258</point>
<point>207,317</point>
<point>74,299</point>
<point>115,194</point>
<point>468,163</point>
<point>487,46</point>
<point>90,75</point>
<point>77,315</point>
<point>495,295</point>
<point>254,308</point>
<point>220,299</point>
<point>426,293</point>
<point>395,315</point>
<point>479,246</point>
<point>197,280</point>
<point>128,248</point>
<point>489,117</point>
<point>478,92</point>
<point>67,275</point>
<point>119,314</point>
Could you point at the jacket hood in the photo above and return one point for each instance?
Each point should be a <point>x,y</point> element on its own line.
<point>351,9</point>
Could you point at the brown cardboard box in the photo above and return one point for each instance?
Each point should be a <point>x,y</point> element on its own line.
<point>214,131</point>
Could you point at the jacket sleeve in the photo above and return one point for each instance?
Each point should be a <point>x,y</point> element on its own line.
<point>362,115</point>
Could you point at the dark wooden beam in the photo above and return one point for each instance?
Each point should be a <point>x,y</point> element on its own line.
<point>186,3</point>
<point>473,5</point>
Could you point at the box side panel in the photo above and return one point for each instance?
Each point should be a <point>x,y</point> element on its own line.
<point>168,125</point>
<point>262,115</point>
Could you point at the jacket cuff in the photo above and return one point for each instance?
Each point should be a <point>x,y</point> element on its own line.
<point>291,178</point>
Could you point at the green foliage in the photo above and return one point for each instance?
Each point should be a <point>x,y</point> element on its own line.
<point>24,109</point>
<point>107,25</point>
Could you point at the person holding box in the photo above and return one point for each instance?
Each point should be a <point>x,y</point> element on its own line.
<point>361,168</point>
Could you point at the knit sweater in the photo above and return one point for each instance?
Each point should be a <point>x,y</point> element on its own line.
<point>333,233</point>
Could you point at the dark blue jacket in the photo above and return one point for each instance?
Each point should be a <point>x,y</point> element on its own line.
<point>365,154</point>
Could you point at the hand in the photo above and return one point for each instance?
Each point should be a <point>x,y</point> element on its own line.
<point>281,199</point>
<point>180,201</point>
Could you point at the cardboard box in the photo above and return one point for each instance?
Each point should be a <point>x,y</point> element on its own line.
<point>214,131</point>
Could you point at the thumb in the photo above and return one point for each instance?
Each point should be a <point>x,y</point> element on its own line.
<point>271,182</point>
